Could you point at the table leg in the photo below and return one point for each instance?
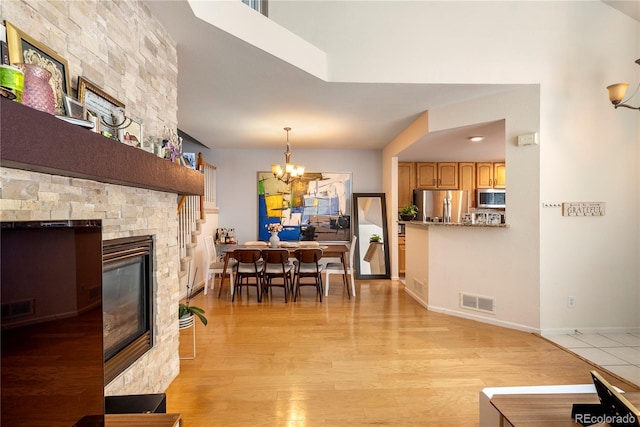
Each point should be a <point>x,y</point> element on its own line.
<point>224,273</point>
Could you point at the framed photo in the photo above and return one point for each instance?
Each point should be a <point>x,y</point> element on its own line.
<point>133,133</point>
<point>108,109</point>
<point>92,116</point>
<point>73,108</point>
<point>25,49</point>
<point>190,159</point>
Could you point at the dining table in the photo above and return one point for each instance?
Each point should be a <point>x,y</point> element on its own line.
<point>329,250</point>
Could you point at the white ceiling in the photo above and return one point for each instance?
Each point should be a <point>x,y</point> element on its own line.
<point>234,95</point>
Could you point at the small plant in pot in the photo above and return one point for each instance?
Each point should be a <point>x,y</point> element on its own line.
<point>408,213</point>
<point>375,238</point>
<point>186,309</point>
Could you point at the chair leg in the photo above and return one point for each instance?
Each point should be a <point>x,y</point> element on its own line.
<point>346,286</point>
<point>353,284</point>
<point>327,276</point>
<point>296,288</point>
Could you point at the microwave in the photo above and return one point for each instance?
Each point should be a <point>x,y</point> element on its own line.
<point>491,198</point>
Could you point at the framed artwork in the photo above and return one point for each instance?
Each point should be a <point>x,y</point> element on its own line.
<point>73,108</point>
<point>110,111</point>
<point>190,159</point>
<point>315,207</point>
<point>25,49</point>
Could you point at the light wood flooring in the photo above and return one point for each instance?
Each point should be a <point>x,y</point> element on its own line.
<point>377,359</point>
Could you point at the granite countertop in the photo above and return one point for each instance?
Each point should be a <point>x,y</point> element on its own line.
<point>451,224</point>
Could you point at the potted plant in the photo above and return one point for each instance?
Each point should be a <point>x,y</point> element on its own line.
<point>186,310</point>
<point>408,213</point>
<point>375,238</point>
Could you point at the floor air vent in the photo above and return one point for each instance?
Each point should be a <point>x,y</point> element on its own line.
<point>478,303</point>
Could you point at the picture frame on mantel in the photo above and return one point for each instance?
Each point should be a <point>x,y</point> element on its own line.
<point>25,49</point>
<point>74,108</point>
<point>100,102</point>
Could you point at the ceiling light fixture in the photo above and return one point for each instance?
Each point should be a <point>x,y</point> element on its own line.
<point>617,92</point>
<point>290,171</point>
<point>477,138</point>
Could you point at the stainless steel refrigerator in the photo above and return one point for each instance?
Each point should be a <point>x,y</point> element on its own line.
<point>441,205</point>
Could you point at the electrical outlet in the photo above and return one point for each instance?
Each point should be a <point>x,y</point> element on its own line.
<point>571,302</point>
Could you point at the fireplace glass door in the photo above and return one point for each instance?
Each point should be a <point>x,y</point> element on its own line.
<point>127,301</point>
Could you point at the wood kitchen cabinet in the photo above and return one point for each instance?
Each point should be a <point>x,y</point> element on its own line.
<point>406,183</point>
<point>490,175</point>
<point>431,176</point>
<point>499,175</point>
<point>467,180</point>
<point>401,255</point>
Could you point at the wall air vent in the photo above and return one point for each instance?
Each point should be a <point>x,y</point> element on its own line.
<point>478,303</point>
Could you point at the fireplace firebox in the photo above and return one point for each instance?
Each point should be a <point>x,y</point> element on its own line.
<point>127,302</point>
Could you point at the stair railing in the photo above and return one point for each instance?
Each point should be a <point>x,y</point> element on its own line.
<point>191,209</point>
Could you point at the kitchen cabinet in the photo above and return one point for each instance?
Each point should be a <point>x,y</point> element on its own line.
<point>467,180</point>
<point>490,175</point>
<point>401,255</point>
<point>499,175</point>
<point>406,183</point>
<point>443,176</point>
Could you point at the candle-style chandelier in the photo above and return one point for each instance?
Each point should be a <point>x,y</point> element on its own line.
<point>289,172</point>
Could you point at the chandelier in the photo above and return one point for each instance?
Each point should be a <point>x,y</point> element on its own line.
<point>290,171</point>
<point>617,92</point>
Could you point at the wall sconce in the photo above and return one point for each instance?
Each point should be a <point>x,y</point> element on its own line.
<point>617,92</point>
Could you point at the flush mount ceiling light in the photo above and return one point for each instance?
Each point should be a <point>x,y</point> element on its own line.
<point>290,171</point>
<point>476,138</point>
<point>617,92</point>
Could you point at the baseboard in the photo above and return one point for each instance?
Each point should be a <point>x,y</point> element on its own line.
<point>490,321</point>
<point>469,316</point>
<point>548,332</point>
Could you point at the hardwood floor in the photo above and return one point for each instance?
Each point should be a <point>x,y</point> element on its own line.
<point>378,359</point>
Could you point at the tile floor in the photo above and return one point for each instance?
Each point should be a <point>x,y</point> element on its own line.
<point>617,353</point>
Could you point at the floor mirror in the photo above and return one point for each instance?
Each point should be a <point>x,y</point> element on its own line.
<point>372,246</point>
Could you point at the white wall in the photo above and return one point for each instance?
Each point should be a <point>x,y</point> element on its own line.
<point>588,150</point>
<point>237,178</point>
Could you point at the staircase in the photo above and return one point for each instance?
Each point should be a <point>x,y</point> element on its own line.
<point>191,216</point>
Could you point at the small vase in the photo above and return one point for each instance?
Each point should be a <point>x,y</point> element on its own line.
<point>274,240</point>
<point>37,92</point>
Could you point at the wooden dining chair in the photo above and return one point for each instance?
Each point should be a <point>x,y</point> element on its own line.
<point>344,270</point>
<point>307,265</point>
<point>276,265</point>
<point>250,266</point>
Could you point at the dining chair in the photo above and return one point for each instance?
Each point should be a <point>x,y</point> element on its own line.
<point>214,266</point>
<point>340,268</point>
<point>307,265</point>
<point>276,265</point>
<point>250,266</point>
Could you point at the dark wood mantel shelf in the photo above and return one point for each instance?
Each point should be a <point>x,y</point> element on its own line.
<point>39,142</point>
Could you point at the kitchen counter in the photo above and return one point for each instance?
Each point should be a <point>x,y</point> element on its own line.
<point>450,224</point>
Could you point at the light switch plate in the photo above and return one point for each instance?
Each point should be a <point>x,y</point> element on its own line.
<point>528,139</point>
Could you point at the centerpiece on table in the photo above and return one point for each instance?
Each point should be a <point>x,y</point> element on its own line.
<point>274,229</point>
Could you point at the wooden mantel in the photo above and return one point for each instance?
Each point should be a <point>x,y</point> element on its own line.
<point>39,142</point>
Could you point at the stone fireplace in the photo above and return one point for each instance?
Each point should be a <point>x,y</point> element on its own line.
<point>52,170</point>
